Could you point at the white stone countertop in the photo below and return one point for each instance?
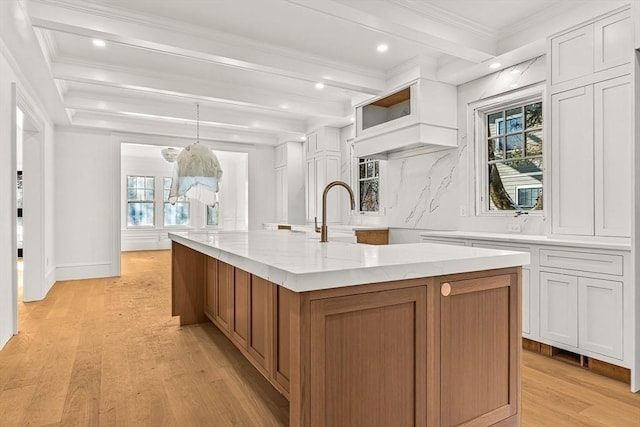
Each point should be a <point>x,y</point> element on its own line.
<point>338,228</point>
<point>614,243</point>
<point>299,262</point>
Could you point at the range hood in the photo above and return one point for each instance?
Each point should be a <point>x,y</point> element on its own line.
<point>422,114</point>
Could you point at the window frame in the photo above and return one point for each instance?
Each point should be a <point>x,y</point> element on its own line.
<point>479,111</point>
<point>152,202</point>
<point>354,180</point>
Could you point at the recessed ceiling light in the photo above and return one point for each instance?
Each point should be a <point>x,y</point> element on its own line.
<point>99,43</point>
<point>515,85</point>
<point>382,47</point>
<point>284,106</point>
<point>319,85</point>
<point>495,65</point>
<point>515,71</point>
<point>303,138</point>
<point>353,119</point>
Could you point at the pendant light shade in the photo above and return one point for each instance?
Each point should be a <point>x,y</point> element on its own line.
<point>196,172</point>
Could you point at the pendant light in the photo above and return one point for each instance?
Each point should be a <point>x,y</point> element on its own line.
<point>196,171</point>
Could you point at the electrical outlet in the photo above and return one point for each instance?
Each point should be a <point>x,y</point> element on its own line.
<point>515,228</point>
<point>463,210</point>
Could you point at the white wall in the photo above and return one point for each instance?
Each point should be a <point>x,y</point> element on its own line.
<point>262,186</point>
<point>87,165</point>
<point>147,160</point>
<point>428,191</point>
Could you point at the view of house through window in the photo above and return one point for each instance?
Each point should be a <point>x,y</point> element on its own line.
<point>178,213</point>
<point>213,212</point>
<point>140,201</point>
<point>368,185</point>
<point>514,157</point>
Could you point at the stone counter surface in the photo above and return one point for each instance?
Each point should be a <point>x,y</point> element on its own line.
<point>300,263</point>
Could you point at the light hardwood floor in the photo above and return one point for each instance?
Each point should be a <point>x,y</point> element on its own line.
<point>107,352</point>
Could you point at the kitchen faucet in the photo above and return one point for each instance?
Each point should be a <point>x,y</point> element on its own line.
<point>323,228</point>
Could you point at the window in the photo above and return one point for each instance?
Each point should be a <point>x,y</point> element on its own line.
<point>368,185</point>
<point>140,204</point>
<point>213,212</point>
<point>514,144</point>
<point>178,213</point>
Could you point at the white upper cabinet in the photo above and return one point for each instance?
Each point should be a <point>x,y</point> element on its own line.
<point>591,52</point>
<point>572,162</point>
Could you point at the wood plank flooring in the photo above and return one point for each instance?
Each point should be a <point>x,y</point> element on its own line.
<point>106,352</point>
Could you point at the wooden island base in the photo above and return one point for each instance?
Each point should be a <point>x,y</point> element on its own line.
<point>437,351</point>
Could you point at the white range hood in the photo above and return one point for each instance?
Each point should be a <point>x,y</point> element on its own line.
<point>421,114</point>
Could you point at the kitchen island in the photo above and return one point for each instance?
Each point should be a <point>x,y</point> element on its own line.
<point>360,335</point>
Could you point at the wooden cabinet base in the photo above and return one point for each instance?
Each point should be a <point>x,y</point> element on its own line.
<point>436,351</point>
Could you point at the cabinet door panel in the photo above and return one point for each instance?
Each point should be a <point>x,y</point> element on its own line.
<point>369,349</point>
<point>260,339</point>
<point>224,298</point>
<point>572,164</point>
<point>479,328</point>
<point>600,313</point>
<point>559,308</point>
<point>282,336</point>
<point>336,195</point>
<point>526,301</point>
<point>311,193</point>
<point>211,288</point>
<point>613,41</point>
<point>572,55</point>
<point>613,121</point>
<point>240,325</point>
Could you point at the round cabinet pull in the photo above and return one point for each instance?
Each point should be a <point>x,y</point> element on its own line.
<point>445,289</point>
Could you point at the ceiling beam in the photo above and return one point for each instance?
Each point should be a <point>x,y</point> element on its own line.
<point>172,38</point>
<point>400,22</point>
<point>208,90</point>
<point>158,107</point>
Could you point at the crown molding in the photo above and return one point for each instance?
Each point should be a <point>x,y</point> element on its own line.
<point>433,13</point>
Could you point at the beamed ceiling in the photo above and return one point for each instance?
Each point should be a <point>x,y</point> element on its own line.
<point>253,65</point>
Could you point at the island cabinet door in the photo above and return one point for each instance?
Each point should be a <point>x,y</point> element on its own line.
<point>240,307</point>
<point>479,354</point>
<point>211,288</point>
<point>368,359</point>
<point>260,334</point>
<point>223,310</point>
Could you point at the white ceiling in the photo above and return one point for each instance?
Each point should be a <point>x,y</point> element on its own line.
<point>253,64</point>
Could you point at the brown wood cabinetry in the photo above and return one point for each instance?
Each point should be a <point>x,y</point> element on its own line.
<point>480,348</point>
<point>373,237</point>
<point>440,351</point>
<point>368,357</point>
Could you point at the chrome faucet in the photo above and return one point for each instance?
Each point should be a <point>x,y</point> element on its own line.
<point>323,228</point>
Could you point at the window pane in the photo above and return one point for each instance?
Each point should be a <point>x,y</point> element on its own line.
<point>370,173</point>
<point>149,195</point>
<point>149,183</point>
<point>533,115</point>
<point>369,195</point>
<point>131,181</point>
<point>496,149</point>
<point>167,183</point>
<point>363,170</point>
<point>534,143</point>
<point>514,146</point>
<point>212,214</point>
<point>528,198</point>
<point>514,120</point>
<point>505,177</point>
<point>377,172</point>
<point>131,194</point>
<point>177,214</point>
<point>140,214</point>
<point>495,124</point>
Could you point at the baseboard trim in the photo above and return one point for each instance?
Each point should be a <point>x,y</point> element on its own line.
<point>84,271</point>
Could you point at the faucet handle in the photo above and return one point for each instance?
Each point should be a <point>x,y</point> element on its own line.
<point>317,229</point>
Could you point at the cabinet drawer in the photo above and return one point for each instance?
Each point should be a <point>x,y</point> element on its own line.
<point>582,261</point>
<point>442,241</point>
<point>500,247</point>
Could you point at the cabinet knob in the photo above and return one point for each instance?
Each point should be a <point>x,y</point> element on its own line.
<point>445,289</point>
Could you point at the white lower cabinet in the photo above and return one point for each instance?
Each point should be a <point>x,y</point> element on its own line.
<point>526,301</point>
<point>559,308</point>
<point>600,316</point>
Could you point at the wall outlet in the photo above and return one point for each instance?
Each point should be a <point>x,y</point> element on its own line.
<point>515,228</point>
<point>463,210</point>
